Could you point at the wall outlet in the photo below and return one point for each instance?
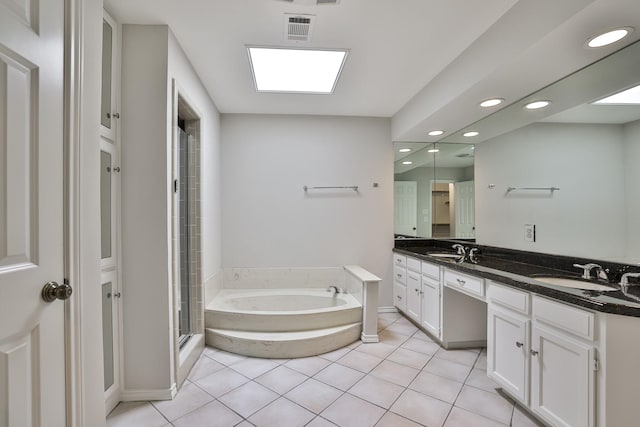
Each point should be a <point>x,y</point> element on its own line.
<point>530,233</point>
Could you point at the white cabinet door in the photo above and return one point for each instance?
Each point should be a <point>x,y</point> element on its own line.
<point>400,296</point>
<point>562,379</point>
<point>413,295</point>
<point>431,305</point>
<point>508,352</point>
<point>32,331</point>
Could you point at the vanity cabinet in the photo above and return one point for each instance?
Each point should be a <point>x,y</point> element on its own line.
<point>542,353</point>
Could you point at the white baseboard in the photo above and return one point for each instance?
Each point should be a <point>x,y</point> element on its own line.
<point>136,395</point>
<point>387,310</point>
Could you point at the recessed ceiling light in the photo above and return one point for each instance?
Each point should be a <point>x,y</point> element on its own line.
<point>404,150</point>
<point>626,97</point>
<point>296,70</point>
<point>471,134</point>
<point>491,102</point>
<point>433,150</point>
<point>609,37</point>
<point>436,133</point>
<point>407,163</point>
<point>536,105</point>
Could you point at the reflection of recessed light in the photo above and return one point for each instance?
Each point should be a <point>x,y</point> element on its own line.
<point>536,105</point>
<point>471,134</point>
<point>491,102</point>
<point>609,37</point>
<point>436,133</point>
<point>433,150</point>
<point>404,150</point>
<point>473,147</point>
<point>407,163</point>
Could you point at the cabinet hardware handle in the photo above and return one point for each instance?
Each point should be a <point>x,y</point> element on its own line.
<point>417,290</point>
<point>461,282</point>
<point>399,275</point>
<point>534,352</point>
<point>519,344</point>
<point>399,297</point>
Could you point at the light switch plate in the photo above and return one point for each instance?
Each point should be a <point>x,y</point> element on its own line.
<point>530,233</point>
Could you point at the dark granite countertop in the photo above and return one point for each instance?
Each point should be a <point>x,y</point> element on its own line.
<point>518,269</point>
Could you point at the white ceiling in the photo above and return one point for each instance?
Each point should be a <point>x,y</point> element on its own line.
<point>425,63</point>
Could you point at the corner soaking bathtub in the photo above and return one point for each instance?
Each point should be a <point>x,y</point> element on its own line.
<point>282,323</point>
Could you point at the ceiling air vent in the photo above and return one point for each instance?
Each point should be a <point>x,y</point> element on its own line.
<point>298,27</point>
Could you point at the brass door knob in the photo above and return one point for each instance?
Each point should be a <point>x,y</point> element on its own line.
<point>53,291</point>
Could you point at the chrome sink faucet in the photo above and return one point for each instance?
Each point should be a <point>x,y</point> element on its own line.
<point>624,280</point>
<point>601,273</point>
<point>459,249</point>
<point>334,289</point>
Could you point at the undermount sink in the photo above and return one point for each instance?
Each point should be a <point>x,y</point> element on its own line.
<point>448,257</point>
<point>574,283</point>
<point>444,255</point>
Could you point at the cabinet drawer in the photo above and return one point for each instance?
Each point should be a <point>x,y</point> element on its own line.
<point>507,297</point>
<point>564,317</point>
<point>467,284</point>
<point>400,296</point>
<point>413,264</point>
<point>400,274</point>
<point>430,270</point>
<point>399,260</point>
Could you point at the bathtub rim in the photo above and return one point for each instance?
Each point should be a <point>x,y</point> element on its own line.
<point>217,303</point>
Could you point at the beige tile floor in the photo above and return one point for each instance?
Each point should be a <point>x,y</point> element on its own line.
<point>405,380</point>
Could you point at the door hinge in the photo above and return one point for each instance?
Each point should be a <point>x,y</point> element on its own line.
<point>596,364</point>
<point>65,281</point>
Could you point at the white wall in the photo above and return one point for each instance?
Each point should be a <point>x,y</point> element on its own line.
<point>269,221</point>
<point>585,218</point>
<point>151,58</point>
<point>190,86</point>
<point>145,247</point>
<point>632,189</point>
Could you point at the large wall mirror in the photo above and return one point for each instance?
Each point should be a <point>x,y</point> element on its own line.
<point>434,190</point>
<point>589,151</point>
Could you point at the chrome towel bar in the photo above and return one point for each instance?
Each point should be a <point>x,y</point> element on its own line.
<point>552,189</point>
<point>349,187</point>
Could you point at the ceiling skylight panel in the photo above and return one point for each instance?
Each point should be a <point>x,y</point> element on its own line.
<point>296,70</point>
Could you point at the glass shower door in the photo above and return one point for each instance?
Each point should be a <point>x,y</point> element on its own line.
<point>185,182</point>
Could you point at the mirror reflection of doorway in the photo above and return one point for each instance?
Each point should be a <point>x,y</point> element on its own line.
<point>440,205</point>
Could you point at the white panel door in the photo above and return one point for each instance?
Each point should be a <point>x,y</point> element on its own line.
<point>405,205</point>
<point>414,295</point>
<point>508,352</point>
<point>562,379</point>
<point>464,202</point>
<point>32,359</point>
<point>430,315</point>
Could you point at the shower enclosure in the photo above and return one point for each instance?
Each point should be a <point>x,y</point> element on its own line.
<point>185,188</point>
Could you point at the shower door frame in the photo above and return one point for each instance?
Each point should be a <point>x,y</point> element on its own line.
<point>186,352</point>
